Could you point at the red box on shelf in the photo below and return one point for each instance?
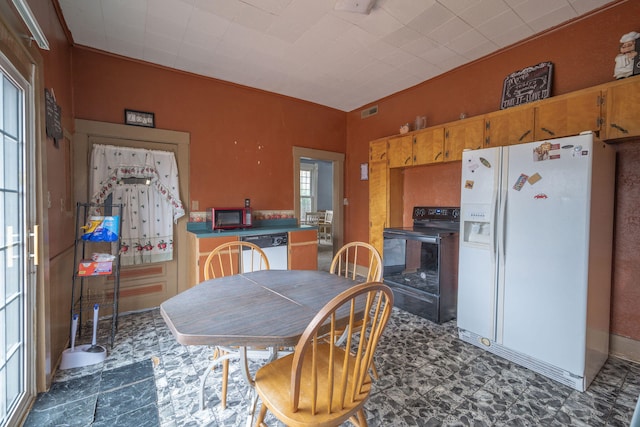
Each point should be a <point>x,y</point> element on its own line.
<point>94,268</point>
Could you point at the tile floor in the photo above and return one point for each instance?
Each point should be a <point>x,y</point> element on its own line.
<point>428,377</point>
<point>325,255</point>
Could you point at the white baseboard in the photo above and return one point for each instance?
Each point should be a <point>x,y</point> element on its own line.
<point>624,348</point>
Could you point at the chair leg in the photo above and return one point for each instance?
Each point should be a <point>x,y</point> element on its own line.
<point>359,419</point>
<point>216,354</point>
<point>261,415</point>
<point>225,380</point>
<point>374,371</point>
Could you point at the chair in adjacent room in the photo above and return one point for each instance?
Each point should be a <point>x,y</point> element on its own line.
<point>312,218</point>
<point>324,227</point>
<point>225,260</point>
<point>326,382</point>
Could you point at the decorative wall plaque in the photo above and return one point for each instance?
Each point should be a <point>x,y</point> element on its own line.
<point>53,117</point>
<point>527,85</point>
<point>139,118</point>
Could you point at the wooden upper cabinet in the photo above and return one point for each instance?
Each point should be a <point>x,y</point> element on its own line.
<point>623,109</point>
<point>401,151</point>
<point>512,126</point>
<point>569,114</point>
<point>378,150</point>
<point>428,146</point>
<point>467,133</point>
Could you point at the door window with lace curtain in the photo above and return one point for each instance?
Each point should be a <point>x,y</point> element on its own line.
<point>146,183</point>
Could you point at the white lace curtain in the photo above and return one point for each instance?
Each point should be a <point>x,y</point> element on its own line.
<point>149,210</point>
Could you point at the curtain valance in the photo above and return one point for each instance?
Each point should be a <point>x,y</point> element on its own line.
<point>110,164</point>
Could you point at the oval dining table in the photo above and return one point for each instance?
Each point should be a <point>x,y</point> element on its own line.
<point>267,309</point>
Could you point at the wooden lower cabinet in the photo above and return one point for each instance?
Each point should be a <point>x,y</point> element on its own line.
<point>303,250</point>
<point>199,250</point>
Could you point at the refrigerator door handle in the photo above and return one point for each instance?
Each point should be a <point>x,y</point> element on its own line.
<point>502,225</point>
<point>494,223</point>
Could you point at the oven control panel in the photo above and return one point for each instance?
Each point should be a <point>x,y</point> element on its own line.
<point>436,213</point>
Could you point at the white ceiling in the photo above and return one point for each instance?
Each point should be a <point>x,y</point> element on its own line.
<point>308,50</point>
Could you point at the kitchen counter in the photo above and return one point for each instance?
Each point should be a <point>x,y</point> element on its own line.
<point>200,229</point>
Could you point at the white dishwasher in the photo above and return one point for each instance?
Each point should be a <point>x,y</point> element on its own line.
<point>274,246</point>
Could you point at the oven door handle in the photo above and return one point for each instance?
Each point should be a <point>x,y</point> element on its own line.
<point>400,235</point>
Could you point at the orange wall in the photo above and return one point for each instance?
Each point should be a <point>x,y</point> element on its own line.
<point>583,55</point>
<point>241,138</point>
<point>57,76</point>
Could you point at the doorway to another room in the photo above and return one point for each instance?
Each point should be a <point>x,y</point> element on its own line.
<point>316,204</point>
<point>318,197</point>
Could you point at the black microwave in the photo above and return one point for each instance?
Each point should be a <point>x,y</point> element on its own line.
<point>228,218</point>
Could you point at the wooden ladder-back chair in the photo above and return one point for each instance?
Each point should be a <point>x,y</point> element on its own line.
<point>345,262</point>
<point>324,227</point>
<point>226,260</point>
<point>327,382</point>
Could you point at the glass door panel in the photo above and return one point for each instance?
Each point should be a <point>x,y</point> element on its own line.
<point>13,250</point>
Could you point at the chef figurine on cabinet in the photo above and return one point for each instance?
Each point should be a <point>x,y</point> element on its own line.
<point>627,57</point>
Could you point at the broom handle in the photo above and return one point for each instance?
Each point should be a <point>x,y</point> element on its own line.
<point>74,329</point>
<point>95,324</point>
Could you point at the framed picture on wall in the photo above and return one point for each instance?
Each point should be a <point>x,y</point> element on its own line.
<point>527,85</point>
<point>139,118</point>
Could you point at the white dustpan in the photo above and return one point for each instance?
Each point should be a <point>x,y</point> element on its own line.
<point>87,354</point>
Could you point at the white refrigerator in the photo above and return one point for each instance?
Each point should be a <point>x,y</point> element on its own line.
<point>536,231</point>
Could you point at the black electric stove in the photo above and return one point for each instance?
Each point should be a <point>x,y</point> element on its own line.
<point>421,263</point>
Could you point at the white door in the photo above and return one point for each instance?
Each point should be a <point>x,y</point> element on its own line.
<point>145,285</point>
<point>16,269</point>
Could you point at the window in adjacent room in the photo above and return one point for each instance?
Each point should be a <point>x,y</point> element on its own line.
<point>308,188</point>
